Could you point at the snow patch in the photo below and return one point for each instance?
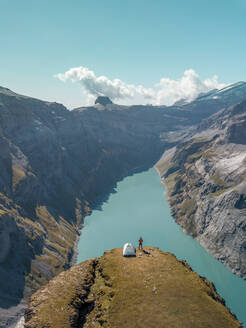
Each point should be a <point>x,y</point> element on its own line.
<point>20,323</point>
<point>232,163</point>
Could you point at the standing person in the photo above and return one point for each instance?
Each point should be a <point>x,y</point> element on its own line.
<point>140,242</point>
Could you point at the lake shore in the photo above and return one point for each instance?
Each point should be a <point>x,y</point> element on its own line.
<point>122,220</point>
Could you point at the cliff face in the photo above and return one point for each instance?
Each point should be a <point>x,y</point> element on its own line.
<point>153,289</point>
<point>55,164</point>
<point>205,179</point>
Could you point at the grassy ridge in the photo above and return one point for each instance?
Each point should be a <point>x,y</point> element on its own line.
<point>153,289</point>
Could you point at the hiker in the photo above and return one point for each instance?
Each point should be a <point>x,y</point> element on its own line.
<point>140,242</point>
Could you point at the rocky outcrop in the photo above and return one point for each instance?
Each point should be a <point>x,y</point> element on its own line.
<point>113,291</point>
<point>103,100</point>
<point>206,186</point>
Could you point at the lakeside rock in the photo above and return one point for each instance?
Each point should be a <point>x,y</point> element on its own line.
<point>151,290</point>
<point>206,186</point>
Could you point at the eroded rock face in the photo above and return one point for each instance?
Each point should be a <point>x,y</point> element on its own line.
<point>205,179</point>
<point>114,291</point>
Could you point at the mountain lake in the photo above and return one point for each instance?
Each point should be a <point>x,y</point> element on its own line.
<point>138,207</point>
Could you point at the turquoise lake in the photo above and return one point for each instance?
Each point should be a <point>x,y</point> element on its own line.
<point>139,208</point>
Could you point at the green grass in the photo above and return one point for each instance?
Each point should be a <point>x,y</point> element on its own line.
<point>193,157</point>
<point>145,291</point>
<point>188,207</point>
<point>17,175</point>
<point>217,180</point>
<point>219,192</point>
<point>57,302</point>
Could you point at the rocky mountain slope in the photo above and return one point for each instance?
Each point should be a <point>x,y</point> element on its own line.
<point>206,185</point>
<point>54,166</point>
<point>113,291</point>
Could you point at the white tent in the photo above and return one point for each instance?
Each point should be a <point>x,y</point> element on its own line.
<point>129,250</point>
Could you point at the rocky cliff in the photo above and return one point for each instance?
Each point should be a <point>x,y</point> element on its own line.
<point>206,186</point>
<point>153,289</point>
<point>54,166</point>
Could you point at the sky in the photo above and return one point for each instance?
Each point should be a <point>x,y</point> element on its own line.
<point>136,51</point>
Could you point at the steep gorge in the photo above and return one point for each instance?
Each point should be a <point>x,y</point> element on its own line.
<point>56,163</point>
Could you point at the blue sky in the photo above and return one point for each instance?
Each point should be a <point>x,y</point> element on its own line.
<point>136,41</point>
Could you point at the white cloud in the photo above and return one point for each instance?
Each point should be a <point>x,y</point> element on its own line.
<point>188,87</point>
<point>166,92</point>
<point>98,86</point>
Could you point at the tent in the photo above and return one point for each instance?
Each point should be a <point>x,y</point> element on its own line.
<point>129,250</point>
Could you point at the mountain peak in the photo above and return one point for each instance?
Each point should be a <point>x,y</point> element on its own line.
<point>235,92</point>
<point>103,100</point>
<point>7,91</point>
